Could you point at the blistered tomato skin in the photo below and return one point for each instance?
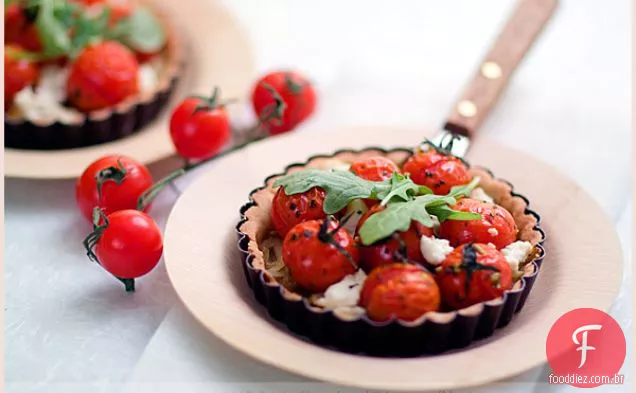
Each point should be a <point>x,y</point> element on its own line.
<point>315,263</point>
<point>437,171</point>
<point>400,291</point>
<point>374,168</point>
<point>497,226</point>
<point>484,284</point>
<point>289,210</point>
<point>388,251</point>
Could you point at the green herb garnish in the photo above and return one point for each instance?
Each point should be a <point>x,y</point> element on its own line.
<point>341,187</point>
<point>397,216</point>
<point>405,201</point>
<point>142,32</point>
<point>65,29</point>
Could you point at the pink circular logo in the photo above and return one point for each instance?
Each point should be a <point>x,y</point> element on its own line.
<point>586,348</point>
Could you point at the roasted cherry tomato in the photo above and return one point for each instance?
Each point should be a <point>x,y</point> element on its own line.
<point>295,91</point>
<point>437,171</point>
<point>128,244</point>
<point>497,226</point>
<point>374,169</point>
<point>15,23</point>
<point>319,253</point>
<point>121,181</point>
<point>18,73</point>
<point>400,291</point>
<point>471,274</point>
<point>199,127</point>
<point>289,210</point>
<point>388,250</point>
<point>103,75</point>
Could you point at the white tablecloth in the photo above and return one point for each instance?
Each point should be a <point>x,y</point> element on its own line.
<point>70,327</point>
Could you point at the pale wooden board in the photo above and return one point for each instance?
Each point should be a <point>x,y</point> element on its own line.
<point>582,268</point>
<point>217,54</point>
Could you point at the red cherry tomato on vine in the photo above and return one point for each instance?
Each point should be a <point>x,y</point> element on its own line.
<point>199,127</point>
<point>437,171</point>
<point>122,181</point>
<point>296,92</point>
<point>130,244</point>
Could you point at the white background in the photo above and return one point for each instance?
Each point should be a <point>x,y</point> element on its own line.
<point>70,327</point>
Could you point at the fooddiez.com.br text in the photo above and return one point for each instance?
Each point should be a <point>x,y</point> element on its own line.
<point>617,379</point>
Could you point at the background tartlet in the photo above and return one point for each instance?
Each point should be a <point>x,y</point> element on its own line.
<point>434,332</point>
<point>80,129</point>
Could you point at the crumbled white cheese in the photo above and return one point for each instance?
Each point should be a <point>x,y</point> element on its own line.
<point>148,78</point>
<point>493,231</point>
<point>479,194</point>
<point>434,250</point>
<point>344,293</point>
<point>44,102</point>
<point>37,106</point>
<point>516,253</point>
<point>53,82</point>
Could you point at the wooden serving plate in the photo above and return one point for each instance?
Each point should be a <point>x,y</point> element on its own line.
<point>206,270</point>
<point>217,54</point>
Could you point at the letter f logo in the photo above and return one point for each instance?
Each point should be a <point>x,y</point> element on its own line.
<point>584,348</point>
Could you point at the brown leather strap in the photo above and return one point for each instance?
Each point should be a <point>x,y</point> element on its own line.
<point>495,70</point>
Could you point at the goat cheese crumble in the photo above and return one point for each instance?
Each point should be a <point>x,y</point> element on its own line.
<point>516,253</point>
<point>435,250</point>
<point>344,293</point>
<point>479,194</point>
<point>44,102</point>
<point>148,78</point>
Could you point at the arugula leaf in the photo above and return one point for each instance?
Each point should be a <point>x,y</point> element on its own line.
<point>142,31</point>
<point>403,187</point>
<point>65,13</point>
<point>397,216</point>
<point>341,187</point>
<point>87,30</point>
<point>444,213</point>
<point>52,33</point>
<point>464,190</point>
